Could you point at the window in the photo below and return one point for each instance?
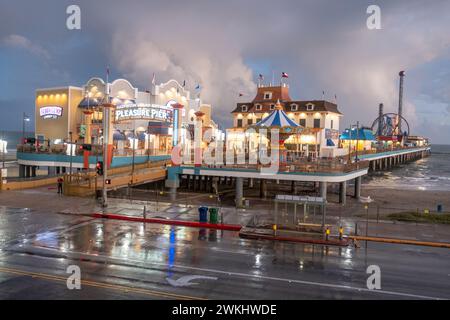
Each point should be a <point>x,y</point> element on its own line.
<point>244,108</point>
<point>267,95</point>
<point>272,107</point>
<point>258,107</point>
<point>303,122</point>
<point>309,107</point>
<point>316,123</point>
<point>239,123</point>
<point>331,124</point>
<point>249,122</point>
<point>294,107</point>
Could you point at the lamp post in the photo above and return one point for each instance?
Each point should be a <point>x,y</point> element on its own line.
<point>71,151</point>
<point>350,145</point>
<point>357,141</point>
<point>3,140</point>
<point>25,118</point>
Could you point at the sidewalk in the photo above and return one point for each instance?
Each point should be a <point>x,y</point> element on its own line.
<point>46,199</point>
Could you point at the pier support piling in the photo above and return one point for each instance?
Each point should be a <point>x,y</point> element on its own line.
<point>358,187</point>
<point>239,192</point>
<point>343,192</point>
<point>323,190</point>
<point>262,188</point>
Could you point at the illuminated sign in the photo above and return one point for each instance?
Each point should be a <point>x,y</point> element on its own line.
<point>50,112</point>
<point>170,103</point>
<point>143,112</point>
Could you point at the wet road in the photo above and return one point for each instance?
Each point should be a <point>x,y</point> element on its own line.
<point>124,260</point>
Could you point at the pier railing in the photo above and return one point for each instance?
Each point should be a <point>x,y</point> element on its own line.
<point>318,166</point>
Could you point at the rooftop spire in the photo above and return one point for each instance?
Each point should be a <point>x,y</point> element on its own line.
<point>278,105</point>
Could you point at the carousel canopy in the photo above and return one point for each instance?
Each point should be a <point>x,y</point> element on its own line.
<point>278,118</point>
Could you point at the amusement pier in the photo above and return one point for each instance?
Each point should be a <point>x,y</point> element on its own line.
<point>163,137</point>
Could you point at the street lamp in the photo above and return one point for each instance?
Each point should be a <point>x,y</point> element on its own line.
<point>3,143</point>
<point>71,151</point>
<point>25,118</point>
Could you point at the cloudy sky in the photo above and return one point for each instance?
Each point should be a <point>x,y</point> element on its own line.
<point>224,45</point>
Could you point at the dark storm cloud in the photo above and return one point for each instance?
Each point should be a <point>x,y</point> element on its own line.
<point>323,45</point>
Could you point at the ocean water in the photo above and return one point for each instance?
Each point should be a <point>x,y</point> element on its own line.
<point>13,138</point>
<point>431,173</point>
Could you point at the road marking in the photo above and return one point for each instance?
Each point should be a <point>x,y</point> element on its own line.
<point>186,280</point>
<point>102,285</point>
<point>118,261</point>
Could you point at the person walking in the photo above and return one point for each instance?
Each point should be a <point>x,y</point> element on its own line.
<point>60,185</point>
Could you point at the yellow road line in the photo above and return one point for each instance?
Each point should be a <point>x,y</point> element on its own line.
<point>100,284</point>
<point>402,241</point>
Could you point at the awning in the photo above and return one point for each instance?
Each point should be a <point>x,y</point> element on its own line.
<point>141,136</point>
<point>118,136</point>
<point>90,103</point>
<point>330,143</point>
<point>355,134</point>
<point>130,135</point>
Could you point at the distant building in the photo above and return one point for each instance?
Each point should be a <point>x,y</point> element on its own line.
<point>320,119</point>
<point>361,139</point>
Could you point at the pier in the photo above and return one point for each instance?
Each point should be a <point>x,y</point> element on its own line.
<point>321,174</point>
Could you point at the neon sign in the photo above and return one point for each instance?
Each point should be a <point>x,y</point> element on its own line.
<point>50,112</point>
<point>143,112</point>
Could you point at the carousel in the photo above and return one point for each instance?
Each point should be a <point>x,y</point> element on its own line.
<point>286,127</point>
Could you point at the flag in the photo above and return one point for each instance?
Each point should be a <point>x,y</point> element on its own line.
<point>284,75</point>
<point>153,79</point>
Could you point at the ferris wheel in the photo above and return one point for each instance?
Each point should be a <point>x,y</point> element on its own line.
<point>390,126</point>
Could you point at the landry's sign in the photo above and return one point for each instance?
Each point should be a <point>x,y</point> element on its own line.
<point>50,112</point>
<point>143,112</point>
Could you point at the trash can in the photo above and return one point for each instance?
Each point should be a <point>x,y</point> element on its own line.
<point>203,214</point>
<point>213,215</point>
<point>439,208</point>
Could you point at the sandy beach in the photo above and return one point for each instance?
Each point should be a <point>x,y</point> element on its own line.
<point>408,198</point>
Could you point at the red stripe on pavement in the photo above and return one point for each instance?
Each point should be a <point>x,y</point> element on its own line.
<point>194,224</point>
